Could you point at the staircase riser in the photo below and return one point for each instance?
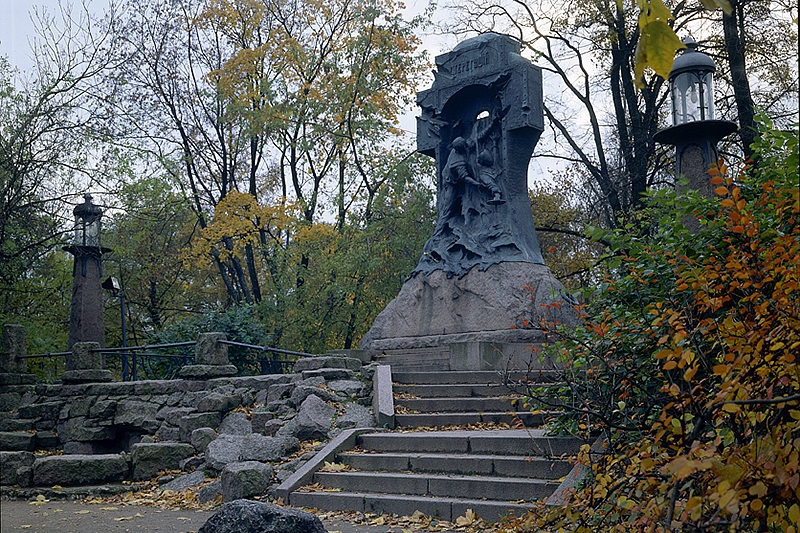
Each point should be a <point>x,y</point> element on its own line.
<point>444,508</point>
<point>478,377</point>
<point>476,443</point>
<point>452,391</point>
<point>452,487</point>
<point>461,464</point>
<point>461,419</point>
<point>456,405</point>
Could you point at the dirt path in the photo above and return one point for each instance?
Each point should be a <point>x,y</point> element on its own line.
<point>75,517</point>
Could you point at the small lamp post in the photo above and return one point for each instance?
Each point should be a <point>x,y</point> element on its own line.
<point>86,311</point>
<point>112,284</point>
<point>694,131</point>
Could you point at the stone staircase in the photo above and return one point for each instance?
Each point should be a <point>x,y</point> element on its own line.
<point>480,464</point>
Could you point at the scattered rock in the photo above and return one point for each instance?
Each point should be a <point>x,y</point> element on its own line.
<point>69,470</point>
<point>271,427</point>
<point>245,516</point>
<point>258,420</point>
<point>150,458</point>
<point>235,424</point>
<point>191,463</point>
<point>10,462</point>
<point>218,402</point>
<point>13,441</point>
<point>193,421</point>
<point>355,416</point>
<point>201,437</point>
<point>209,492</point>
<point>184,482</point>
<point>244,480</point>
<point>312,422</point>
<point>300,393</point>
<point>260,448</point>
<point>135,414</point>
<point>223,450</point>
<point>348,387</point>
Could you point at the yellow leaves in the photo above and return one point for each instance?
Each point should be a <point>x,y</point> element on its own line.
<point>711,5</point>
<point>40,500</point>
<point>657,41</point>
<point>468,519</point>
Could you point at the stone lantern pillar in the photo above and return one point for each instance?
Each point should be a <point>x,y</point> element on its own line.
<point>86,311</point>
<point>694,132</point>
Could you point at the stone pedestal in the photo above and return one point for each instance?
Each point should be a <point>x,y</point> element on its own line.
<point>13,367</point>
<point>504,305</point>
<point>86,365</point>
<point>210,357</point>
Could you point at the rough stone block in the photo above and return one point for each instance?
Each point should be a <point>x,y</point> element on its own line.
<point>168,433</point>
<point>48,410</point>
<point>209,492</point>
<point>194,421</point>
<point>300,393</point>
<point>218,402</point>
<point>315,363</point>
<point>14,346</point>
<point>235,424</point>
<point>12,441</point>
<point>173,415</point>
<point>206,371</point>
<point>279,391</point>
<point>244,480</point>
<point>258,420</point>
<point>136,414</point>
<point>266,449</point>
<point>223,450</point>
<point>202,437</point>
<point>87,376</point>
<point>184,482</point>
<point>85,356</point>
<point>80,429</point>
<point>102,409</point>
<point>209,351</point>
<point>9,401</point>
<point>10,462</point>
<point>347,387</point>
<point>149,458</point>
<point>245,516</point>
<point>271,427</point>
<point>313,421</point>
<point>69,470</point>
<point>355,416</point>
<point>46,440</point>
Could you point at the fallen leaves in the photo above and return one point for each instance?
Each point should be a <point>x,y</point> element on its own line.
<point>40,500</point>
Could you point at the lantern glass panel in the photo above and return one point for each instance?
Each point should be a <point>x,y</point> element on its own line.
<point>87,231</point>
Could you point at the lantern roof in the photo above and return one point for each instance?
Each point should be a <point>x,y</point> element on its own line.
<point>87,209</point>
<point>692,60</point>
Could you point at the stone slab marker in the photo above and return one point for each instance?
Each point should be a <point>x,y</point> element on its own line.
<point>13,348</point>
<point>86,364</point>
<point>210,358</point>
<point>481,272</point>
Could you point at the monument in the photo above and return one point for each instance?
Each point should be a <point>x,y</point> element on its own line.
<point>481,283</point>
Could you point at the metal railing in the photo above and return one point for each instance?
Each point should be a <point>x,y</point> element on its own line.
<point>143,359</point>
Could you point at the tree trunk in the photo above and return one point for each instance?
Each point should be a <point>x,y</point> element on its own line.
<point>733,28</point>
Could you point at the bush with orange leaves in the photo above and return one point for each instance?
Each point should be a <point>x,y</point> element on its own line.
<point>688,366</point>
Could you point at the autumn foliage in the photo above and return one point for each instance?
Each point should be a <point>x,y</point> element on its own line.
<point>687,366</point>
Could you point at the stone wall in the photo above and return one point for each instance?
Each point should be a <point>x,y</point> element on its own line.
<point>218,424</point>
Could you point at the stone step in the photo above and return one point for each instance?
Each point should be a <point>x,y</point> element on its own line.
<point>458,405</point>
<point>419,377</point>
<point>487,465</point>
<point>453,390</point>
<point>502,442</point>
<point>14,441</point>
<point>10,422</point>
<point>449,486</point>
<point>444,508</point>
<point>431,420</point>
